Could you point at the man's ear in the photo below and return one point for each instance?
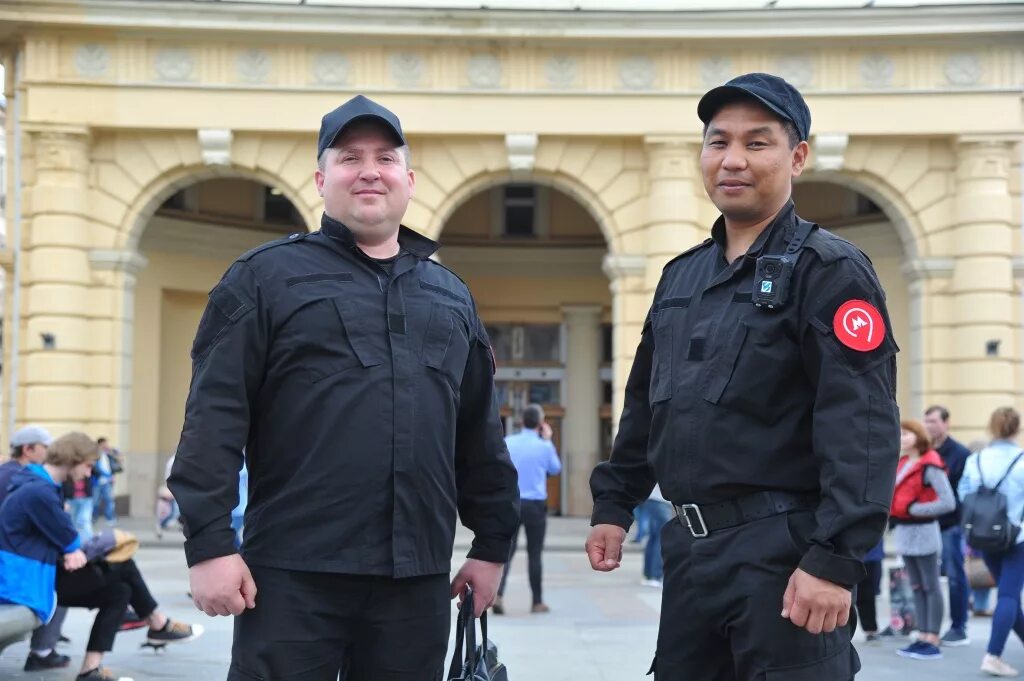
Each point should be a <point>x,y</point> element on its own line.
<point>800,155</point>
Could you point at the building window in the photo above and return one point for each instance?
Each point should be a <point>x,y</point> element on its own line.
<point>526,343</point>
<point>520,210</point>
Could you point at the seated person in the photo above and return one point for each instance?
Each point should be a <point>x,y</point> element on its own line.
<point>36,535</point>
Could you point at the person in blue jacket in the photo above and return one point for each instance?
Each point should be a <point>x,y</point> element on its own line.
<point>42,561</point>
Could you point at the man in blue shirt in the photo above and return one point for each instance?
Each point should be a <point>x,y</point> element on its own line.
<point>535,458</point>
<point>954,455</point>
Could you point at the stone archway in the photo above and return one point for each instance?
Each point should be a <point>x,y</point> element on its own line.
<point>532,254</point>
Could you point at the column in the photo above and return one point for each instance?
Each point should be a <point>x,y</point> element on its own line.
<point>582,428</point>
<point>985,352</point>
<point>630,300</point>
<point>117,271</point>
<point>62,321</point>
<point>928,348</point>
<point>675,198</point>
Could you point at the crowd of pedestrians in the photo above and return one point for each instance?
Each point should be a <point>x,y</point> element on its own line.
<point>935,475</point>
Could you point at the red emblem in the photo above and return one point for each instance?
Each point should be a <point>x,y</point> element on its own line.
<point>859,325</point>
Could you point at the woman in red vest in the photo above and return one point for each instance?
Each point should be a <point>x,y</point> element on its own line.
<point>922,494</point>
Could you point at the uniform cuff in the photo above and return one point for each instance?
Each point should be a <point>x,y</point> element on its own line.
<point>209,545</point>
<point>832,568</point>
<point>606,513</point>
<point>490,549</point>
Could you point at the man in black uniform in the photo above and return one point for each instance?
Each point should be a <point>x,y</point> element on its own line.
<point>762,399</point>
<point>358,378</point>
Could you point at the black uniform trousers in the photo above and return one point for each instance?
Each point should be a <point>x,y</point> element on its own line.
<point>309,626</point>
<point>721,605</point>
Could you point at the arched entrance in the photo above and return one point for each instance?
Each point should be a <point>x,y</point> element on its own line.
<point>188,242</point>
<point>532,255</point>
<point>855,217</point>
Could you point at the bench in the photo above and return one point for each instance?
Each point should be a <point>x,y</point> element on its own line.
<point>16,623</point>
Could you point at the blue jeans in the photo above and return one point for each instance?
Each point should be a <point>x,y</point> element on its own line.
<point>103,501</point>
<point>657,513</point>
<point>953,566</point>
<point>1008,571</point>
<point>81,515</point>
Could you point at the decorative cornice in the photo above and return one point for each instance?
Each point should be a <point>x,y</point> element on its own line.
<point>333,18</point>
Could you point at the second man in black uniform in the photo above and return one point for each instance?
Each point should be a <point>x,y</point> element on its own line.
<point>358,378</point>
<point>762,399</point>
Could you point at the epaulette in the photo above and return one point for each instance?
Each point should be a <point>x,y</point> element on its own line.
<point>450,271</point>
<point>703,244</point>
<point>830,247</point>
<point>290,239</point>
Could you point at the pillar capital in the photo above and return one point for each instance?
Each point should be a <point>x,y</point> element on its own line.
<point>672,156</point>
<point>60,148</point>
<point>983,158</point>
<point>619,266</point>
<point>129,262</point>
<point>920,269</point>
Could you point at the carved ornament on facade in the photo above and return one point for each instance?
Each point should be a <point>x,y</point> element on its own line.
<point>561,72</point>
<point>830,150</point>
<point>92,60</point>
<point>61,151</point>
<point>253,66</point>
<point>215,145</point>
<point>407,69</point>
<point>483,71</point>
<point>174,64</point>
<point>637,73</point>
<point>877,70</point>
<point>796,69</point>
<point>522,151</point>
<point>331,68</point>
<point>963,69</point>
<point>715,70</point>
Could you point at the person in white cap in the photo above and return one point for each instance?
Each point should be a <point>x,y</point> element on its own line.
<point>30,445</point>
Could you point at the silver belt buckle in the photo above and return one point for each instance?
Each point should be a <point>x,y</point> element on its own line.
<point>689,523</point>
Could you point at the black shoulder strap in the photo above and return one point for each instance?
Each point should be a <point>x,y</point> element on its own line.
<point>1008,470</point>
<point>800,236</point>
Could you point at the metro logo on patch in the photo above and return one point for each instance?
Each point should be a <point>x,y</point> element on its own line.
<point>859,325</point>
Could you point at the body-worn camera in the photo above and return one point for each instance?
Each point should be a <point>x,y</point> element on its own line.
<point>771,281</point>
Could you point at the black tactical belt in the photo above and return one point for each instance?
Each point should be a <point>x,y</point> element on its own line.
<point>704,519</point>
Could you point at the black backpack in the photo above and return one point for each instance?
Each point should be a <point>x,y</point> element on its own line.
<point>984,519</point>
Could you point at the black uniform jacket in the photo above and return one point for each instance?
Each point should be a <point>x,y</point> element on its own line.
<point>752,400</point>
<point>366,406</point>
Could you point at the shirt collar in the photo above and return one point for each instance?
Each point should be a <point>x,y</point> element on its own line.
<point>410,240</point>
<point>786,218</point>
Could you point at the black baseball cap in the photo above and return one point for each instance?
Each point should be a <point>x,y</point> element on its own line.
<point>781,98</point>
<point>357,108</point>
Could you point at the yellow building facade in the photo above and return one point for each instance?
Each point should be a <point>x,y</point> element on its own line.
<point>556,156</point>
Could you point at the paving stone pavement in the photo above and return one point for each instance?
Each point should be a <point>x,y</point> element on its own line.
<point>602,627</point>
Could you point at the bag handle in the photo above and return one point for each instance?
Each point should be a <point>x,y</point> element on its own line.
<point>465,632</point>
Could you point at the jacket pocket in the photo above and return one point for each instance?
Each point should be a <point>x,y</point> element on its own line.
<point>661,362</point>
<point>446,344</point>
<point>342,342</point>
<point>750,372</point>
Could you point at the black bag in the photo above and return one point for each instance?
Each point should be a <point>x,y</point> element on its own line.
<point>114,457</point>
<point>984,518</point>
<point>481,663</point>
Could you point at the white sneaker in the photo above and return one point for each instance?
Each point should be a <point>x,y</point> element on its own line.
<point>994,666</point>
<point>653,583</point>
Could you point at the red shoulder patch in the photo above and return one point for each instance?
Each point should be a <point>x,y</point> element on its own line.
<point>859,325</point>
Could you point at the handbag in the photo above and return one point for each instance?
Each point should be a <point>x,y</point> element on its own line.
<point>480,662</point>
<point>978,576</point>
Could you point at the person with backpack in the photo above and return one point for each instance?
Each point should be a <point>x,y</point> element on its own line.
<point>992,524</point>
<point>922,494</point>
